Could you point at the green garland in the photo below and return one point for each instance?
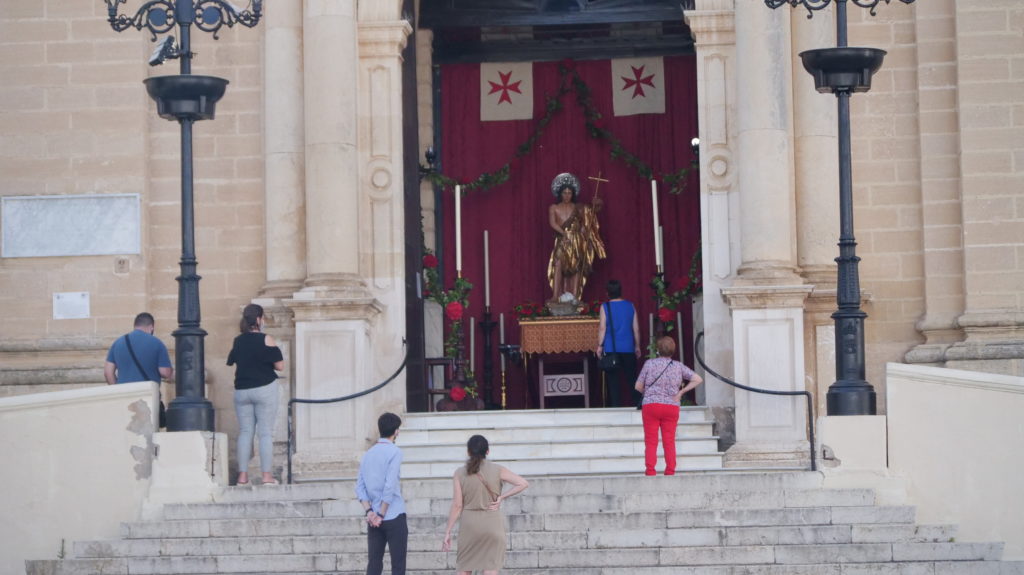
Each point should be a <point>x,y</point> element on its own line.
<point>570,82</point>
<point>665,299</point>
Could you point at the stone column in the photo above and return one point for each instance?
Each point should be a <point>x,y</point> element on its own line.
<point>767,295</point>
<point>941,215</point>
<point>335,312</point>
<point>284,183</point>
<point>816,168</point>
<point>284,144</point>
<point>715,43</point>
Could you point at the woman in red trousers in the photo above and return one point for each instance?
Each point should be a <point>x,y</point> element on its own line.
<point>661,381</point>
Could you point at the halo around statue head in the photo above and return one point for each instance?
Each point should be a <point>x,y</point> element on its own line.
<point>565,180</point>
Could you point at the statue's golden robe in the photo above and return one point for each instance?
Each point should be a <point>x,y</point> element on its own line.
<point>577,248</point>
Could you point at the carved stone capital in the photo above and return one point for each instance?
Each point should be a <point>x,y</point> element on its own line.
<point>383,39</point>
<point>763,297</point>
<point>713,23</point>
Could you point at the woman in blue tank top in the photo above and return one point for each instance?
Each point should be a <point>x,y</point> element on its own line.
<point>619,333</point>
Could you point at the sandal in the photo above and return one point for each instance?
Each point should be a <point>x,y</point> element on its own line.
<point>271,482</point>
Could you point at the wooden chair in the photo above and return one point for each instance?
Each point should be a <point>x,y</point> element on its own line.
<point>432,390</point>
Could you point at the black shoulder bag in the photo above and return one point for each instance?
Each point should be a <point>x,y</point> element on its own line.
<point>609,361</point>
<point>163,416</point>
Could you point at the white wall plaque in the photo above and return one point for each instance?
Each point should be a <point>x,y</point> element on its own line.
<point>71,305</point>
<point>90,225</point>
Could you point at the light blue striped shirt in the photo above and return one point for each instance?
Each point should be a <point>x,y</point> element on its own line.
<point>379,476</point>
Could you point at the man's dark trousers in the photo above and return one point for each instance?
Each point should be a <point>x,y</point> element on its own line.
<point>395,535</point>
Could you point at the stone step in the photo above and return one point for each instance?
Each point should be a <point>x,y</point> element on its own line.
<point>419,488</point>
<point>540,503</point>
<point>354,539</point>
<point>454,454</point>
<point>752,555</point>
<point>571,465</point>
<point>891,518</point>
<point>485,421</point>
<point>605,432</point>
<point>120,567</point>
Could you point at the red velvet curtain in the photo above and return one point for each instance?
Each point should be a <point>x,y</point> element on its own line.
<point>516,212</point>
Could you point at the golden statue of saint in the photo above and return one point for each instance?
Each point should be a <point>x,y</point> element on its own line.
<point>577,239</point>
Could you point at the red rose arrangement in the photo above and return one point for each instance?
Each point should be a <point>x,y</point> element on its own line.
<point>430,261</point>
<point>665,314</point>
<point>457,393</point>
<point>454,310</point>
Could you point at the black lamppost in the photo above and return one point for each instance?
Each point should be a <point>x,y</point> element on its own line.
<point>842,71</point>
<point>185,98</point>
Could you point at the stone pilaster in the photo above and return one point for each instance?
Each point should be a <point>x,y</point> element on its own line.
<point>713,29</point>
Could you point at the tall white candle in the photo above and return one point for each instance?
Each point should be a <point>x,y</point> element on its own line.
<point>657,223</point>
<point>487,272</point>
<point>650,318</point>
<point>501,337</point>
<point>458,228</point>
<point>472,347</point>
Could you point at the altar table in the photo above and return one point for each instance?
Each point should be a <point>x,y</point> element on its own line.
<point>548,335</point>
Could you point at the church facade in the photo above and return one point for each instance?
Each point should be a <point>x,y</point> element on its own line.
<point>309,201</point>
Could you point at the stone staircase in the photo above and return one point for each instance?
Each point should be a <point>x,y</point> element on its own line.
<point>552,441</point>
<point>711,523</point>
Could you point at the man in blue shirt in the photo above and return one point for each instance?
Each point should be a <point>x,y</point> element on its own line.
<point>139,356</point>
<point>380,494</point>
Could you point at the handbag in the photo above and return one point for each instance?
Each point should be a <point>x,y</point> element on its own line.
<point>609,361</point>
<point>138,365</point>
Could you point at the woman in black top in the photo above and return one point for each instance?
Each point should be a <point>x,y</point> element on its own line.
<point>256,357</point>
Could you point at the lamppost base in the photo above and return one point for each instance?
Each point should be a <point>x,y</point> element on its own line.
<point>857,399</point>
<point>190,414</point>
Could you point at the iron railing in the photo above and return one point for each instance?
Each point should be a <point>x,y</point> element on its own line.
<point>810,399</point>
<point>294,400</point>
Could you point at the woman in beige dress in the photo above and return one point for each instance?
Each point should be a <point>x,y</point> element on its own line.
<point>477,492</point>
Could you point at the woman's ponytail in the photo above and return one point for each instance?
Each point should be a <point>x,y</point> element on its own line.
<point>477,447</point>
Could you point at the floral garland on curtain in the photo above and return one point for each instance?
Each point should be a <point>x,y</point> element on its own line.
<point>453,301</point>
<point>570,82</point>
<point>668,299</point>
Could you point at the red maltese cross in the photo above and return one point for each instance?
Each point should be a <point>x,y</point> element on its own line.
<point>505,87</point>
<point>637,81</point>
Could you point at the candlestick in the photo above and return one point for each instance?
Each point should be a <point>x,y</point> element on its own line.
<point>679,334</point>
<point>657,224</point>
<point>487,272</point>
<point>650,336</point>
<point>458,228</point>
<point>661,249</point>
<point>501,340</point>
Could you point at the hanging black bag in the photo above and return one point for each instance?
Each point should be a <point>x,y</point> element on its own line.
<point>609,361</point>
<point>163,415</point>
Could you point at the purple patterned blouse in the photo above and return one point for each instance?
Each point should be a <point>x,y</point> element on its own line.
<point>662,387</point>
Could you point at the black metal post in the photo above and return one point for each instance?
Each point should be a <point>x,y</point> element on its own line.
<point>186,99</point>
<point>486,327</point>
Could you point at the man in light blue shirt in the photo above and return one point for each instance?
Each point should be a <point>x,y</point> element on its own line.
<point>380,494</point>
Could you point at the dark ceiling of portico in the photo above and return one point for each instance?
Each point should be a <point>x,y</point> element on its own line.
<point>536,30</point>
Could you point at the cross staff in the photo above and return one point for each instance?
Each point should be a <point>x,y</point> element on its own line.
<point>597,179</point>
